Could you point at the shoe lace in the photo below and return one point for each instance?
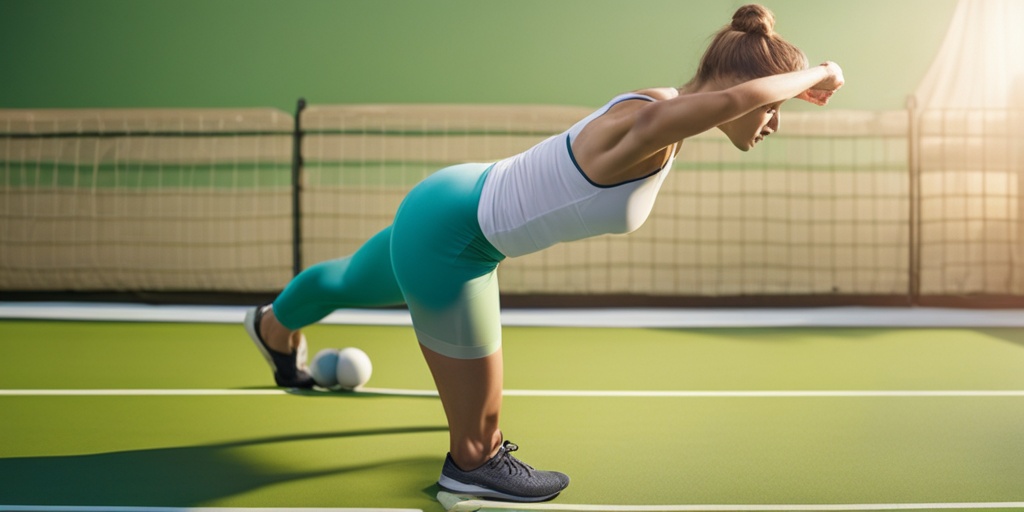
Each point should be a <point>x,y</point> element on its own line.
<point>511,464</point>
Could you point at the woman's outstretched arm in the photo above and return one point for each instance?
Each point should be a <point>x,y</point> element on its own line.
<point>666,122</point>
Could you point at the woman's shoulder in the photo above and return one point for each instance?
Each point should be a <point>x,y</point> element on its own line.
<point>659,93</point>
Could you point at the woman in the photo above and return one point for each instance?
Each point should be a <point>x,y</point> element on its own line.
<point>441,254</point>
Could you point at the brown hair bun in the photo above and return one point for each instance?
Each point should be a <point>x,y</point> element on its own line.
<point>748,48</point>
<point>754,19</point>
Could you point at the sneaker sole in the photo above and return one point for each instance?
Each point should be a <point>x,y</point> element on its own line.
<point>250,329</point>
<point>483,492</point>
<point>302,351</point>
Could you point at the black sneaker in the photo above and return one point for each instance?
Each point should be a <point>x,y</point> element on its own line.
<point>504,477</point>
<point>290,370</point>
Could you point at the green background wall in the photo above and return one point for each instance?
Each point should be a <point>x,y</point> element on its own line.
<point>246,53</point>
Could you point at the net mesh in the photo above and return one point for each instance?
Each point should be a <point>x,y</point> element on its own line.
<point>145,200</point>
<point>971,233</point>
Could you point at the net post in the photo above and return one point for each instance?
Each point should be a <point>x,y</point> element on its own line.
<point>1017,163</point>
<point>914,177</point>
<point>297,188</point>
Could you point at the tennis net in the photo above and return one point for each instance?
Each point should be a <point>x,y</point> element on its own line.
<point>894,207</point>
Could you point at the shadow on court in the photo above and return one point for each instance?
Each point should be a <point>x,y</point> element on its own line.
<point>184,476</point>
<point>1012,335</point>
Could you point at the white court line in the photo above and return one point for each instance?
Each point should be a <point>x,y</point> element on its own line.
<point>460,503</point>
<point>848,316</point>
<point>534,393</point>
<point>483,506</point>
<point>141,392</point>
<point>73,508</point>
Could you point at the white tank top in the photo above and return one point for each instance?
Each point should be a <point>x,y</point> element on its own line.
<point>541,197</point>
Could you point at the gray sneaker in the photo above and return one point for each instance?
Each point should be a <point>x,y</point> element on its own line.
<point>504,477</point>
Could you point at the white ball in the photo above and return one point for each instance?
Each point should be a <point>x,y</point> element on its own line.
<point>324,368</point>
<point>353,369</point>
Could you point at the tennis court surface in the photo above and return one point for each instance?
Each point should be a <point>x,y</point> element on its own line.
<point>105,414</point>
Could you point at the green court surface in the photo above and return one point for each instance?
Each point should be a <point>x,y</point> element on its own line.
<point>874,435</point>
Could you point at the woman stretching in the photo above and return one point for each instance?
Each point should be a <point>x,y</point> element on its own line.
<point>440,255</point>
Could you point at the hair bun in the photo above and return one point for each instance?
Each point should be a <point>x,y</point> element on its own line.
<point>754,19</point>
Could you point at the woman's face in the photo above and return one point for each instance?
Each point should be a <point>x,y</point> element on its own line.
<point>751,128</point>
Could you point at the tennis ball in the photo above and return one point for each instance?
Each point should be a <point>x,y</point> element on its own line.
<point>353,368</point>
<point>324,368</point>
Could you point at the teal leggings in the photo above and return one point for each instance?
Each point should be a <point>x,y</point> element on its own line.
<point>433,258</point>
